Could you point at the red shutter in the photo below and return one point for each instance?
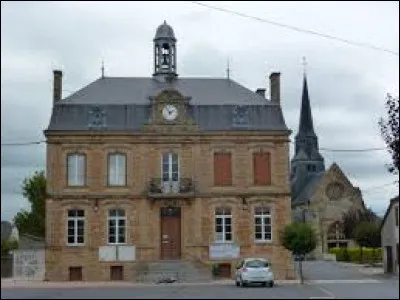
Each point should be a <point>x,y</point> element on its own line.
<point>262,168</point>
<point>222,169</point>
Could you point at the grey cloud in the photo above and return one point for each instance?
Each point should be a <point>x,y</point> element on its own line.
<point>75,36</point>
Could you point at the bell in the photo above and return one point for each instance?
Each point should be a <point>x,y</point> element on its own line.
<point>165,59</point>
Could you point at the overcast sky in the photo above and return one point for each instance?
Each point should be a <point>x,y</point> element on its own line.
<point>347,84</point>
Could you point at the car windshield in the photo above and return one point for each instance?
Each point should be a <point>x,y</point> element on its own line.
<point>257,264</point>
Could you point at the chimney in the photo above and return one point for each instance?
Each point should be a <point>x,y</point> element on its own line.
<point>57,85</point>
<point>261,92</point>
<point>275,87</point>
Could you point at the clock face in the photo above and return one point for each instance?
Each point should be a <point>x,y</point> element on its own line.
<point>170,112</point>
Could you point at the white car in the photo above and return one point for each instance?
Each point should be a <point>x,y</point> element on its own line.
<point>254,270</point>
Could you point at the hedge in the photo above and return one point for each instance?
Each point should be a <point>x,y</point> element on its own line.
<point>370,255</point>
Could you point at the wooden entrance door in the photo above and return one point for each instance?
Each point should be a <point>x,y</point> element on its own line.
<point>389,259</point>
<point>170,233</point>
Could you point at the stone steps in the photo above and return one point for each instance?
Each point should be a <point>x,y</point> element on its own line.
<point>174,271</point>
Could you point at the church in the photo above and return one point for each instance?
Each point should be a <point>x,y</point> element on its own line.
<point>319,196</point>
<point>166,169</point>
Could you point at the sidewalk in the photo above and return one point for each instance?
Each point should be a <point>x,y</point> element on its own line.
<point>14,283</point>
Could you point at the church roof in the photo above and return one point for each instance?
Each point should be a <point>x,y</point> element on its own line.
<point>315,155</point>
<point>301,155</point>
<point>304,194</point>
<point>306,126</point>
<point>126,104</point>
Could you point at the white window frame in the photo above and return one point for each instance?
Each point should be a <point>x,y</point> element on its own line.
<point>220,237</point>
<point>170,163</point>
<point>75,219</point>
<point>116,219</point>
<point>73,158</point>
<point>263,216</point>
<point>118,156</point>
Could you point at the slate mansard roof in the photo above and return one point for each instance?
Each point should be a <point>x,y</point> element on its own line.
<point>124,104</point>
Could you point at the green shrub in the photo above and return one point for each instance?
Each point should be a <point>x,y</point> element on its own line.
<point>341,254</point>
<point>370,255</point>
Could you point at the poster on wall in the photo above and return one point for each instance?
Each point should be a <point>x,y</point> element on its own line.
<point>224,251</point>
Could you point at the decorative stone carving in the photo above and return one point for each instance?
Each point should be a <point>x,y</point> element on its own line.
<point>240,115</point>
<point>334,190</point>
<point>97,118</point>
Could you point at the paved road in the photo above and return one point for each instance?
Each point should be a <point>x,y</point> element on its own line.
<point>388,289</point>
<point>332,270</point>
<point>384,289</point>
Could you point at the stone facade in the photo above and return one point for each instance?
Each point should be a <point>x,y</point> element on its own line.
<point>143,216</point>
<point>172,136</point>
<point>332,197</point>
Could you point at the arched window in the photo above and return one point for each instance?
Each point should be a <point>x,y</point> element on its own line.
<point>336,236</point>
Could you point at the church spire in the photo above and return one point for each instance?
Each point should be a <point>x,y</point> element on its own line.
<point>306,126</point>
<point>307,159</point>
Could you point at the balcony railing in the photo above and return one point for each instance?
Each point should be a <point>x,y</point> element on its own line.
<point>160,189</point>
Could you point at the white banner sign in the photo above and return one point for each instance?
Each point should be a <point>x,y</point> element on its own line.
<point>223,251</point>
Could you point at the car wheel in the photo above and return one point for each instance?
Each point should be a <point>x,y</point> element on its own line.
<point>270,284</point>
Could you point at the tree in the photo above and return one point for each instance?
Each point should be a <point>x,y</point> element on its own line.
<point>300,238</point>
<point>33,221</point>
<point>390,131</point>
<point>352,217</point>
<point>8,245</point>
<point>367,234</point>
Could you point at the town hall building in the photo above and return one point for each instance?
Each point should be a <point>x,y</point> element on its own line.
<point>165,168</point>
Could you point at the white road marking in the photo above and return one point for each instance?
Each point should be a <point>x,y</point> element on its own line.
<point>343,281</point>
<point>329,293</point>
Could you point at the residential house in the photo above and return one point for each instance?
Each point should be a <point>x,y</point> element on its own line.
<point>390,237</point>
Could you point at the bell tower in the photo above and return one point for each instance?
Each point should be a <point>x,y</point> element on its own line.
<point>165,51</point>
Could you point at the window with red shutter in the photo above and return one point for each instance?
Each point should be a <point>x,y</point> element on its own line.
<point>222,169</point>
<point>262,168</point>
